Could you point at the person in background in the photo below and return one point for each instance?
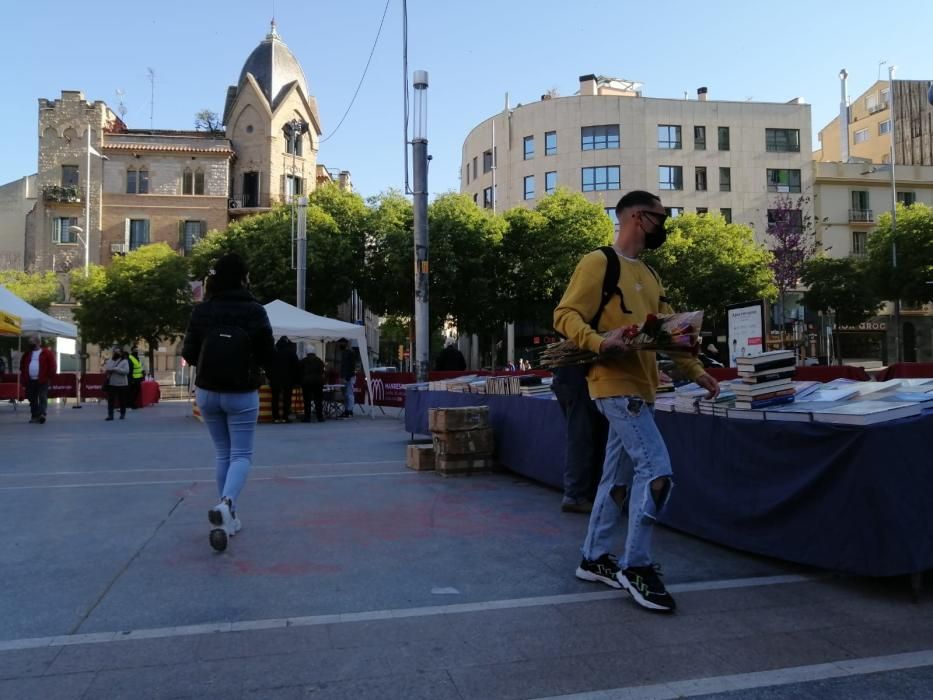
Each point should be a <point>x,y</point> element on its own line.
<point>450,359</point>
<point>311,377</point>
<point>229,339</point>
<point>710,358</point>
<point>136,377</point>
<point>282,379</point>
<point>117,369</point>
<point>36,368</point>
<point>346,359</point>
<point>587,431</point>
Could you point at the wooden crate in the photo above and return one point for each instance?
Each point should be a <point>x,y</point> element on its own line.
<point>421,457</point>
<point>444,420</point>
<point>464,442</point>
<point>460,465</point>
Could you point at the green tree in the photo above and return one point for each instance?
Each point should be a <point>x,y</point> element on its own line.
<point>707,264</point>
<point>352,216</point>
<point>914,237</point>
<point>145,294</point>
<point>790,228</point>
<point>264,243</point>
<point>463,249</point>
<point>387,283</point>
<point>541,248</point>
<point>840,286</point>
<point>40,289</point>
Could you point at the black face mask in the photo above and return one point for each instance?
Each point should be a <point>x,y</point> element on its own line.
<point>655,239</point>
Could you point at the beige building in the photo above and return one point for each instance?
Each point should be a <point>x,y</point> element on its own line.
<point>868,131</point>
<point>699,155</point>
<point>17,199</point>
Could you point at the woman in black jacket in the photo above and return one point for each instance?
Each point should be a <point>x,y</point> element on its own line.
<point>229,339</point>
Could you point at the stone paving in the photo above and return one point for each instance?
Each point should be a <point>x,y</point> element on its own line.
<point>355,577</point>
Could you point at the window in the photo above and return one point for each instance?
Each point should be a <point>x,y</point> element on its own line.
<point>529,147</point>
<point>725,179</point>
<point>487,198</point>
<point>723,138</point>
<point>861,136</point>
<point>670,177</point>
<point>699,138</point>
<point>726,214</point>
<point>792,217</point>
<point>669,136</point>
<point>674,212</point>
<point>475,198</point>
<point>783,180</point>
<point>782,140</point>
<point>475,171</point>
<point>598,179</point>
<point>701,179</point>
<point>860,200</point>
<point>293,143</point>
<point>60,229</point>
<point>859,242</point>
<point>190,233</point>
<point>487,161</point>
<point>137,233</point>
<point>907,198</point>
<point>468,173</point>
<point>137,182</point>
<point>885,97</point>
<point>550,143</point>
<point>294,186</point>
<point>598,138</point>
<point>69,176</point>
<point>871,102</point>
<point>529,187</point>
<point>613,217</point>
<point>884,127</point>
<point>192,182</point>
<point>550,182</point>
<point>702,210</point>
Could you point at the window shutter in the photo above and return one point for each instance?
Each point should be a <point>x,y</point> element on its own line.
<point>181,236</point>
<point>203,231</point>
<point>126,234</point>
<point>56,230</point>
<point>145,240</point>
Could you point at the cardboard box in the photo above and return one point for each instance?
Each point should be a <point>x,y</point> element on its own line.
<point>464,442</point>
<point>455,465</point>
<point>421,457</point>
<point>443,420</point>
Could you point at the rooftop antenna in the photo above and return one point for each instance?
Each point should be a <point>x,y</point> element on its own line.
<point>121,107</point>
<point>151,97</point>
<point>880,63</point>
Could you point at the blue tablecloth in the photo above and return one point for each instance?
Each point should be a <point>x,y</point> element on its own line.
<point>845,498</point>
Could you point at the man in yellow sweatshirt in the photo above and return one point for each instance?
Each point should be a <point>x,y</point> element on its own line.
<point>637,469</point>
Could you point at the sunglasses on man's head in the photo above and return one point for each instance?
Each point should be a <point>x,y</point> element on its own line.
<point>656,217</point>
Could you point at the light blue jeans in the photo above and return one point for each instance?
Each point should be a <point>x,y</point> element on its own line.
<point>231,421</point>
<point>635,457</point>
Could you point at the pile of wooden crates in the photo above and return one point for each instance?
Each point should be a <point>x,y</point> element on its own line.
<point>462,442</point>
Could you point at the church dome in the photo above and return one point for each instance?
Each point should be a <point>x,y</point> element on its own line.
<point>273,66</point>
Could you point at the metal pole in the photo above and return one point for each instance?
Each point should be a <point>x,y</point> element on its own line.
<point>87,207</point>
<point>302,252</point>
<point>419,151</point>
<point>898,349</point>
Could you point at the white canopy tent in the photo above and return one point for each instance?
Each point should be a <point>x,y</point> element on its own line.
<point>33,320</point>
<point>297,324</point>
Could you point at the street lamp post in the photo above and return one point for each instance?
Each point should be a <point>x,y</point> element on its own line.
<point>419,150</point>
<point>898,346</point>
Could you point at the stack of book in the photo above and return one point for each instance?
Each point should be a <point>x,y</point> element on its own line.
<point>720,405</point>
<point>765,380</point>
<point>687,398</point>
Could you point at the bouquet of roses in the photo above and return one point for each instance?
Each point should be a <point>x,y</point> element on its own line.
<point>676,333</point>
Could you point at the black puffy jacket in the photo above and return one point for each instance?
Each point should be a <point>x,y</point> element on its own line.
<point>236,308</point>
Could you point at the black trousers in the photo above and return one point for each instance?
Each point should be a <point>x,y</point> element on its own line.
<point>315,393</point>
<point>116,396</point>
<point>133,400</point>
<point>587,431</point>
<point>281,399</point>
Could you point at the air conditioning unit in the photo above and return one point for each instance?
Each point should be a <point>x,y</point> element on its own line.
<point>118,247</point>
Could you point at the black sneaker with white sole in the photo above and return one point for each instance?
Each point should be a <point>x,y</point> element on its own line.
<point>603,570</point>
<point>222,518</point>
<point>646,587</point>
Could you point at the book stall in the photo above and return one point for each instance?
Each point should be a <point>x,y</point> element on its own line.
<point>834,475</point>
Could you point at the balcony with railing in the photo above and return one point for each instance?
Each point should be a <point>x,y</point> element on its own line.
<point>61,194</point>
<point>250,201</point>
<point>861,216</point>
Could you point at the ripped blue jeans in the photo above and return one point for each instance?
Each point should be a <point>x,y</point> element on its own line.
<point>635,456</point>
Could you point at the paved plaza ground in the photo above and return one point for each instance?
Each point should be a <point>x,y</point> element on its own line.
<point>355,577</point>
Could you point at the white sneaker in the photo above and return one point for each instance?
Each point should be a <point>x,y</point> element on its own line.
<point>221,517</point>
<point>235,526</point>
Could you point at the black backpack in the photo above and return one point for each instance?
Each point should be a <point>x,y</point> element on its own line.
<point>225,362</point>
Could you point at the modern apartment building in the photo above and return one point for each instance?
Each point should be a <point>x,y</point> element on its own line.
<point>699,155</point>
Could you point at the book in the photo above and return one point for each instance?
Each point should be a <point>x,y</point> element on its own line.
<point>772,393</point>
<point>766,376</point>
<point>867,412</point>
<point>866,388</point>
<point>769,365</point>
<point>838,393</point>
<point>765,357</point>
<point>764,403</point>
<point>803,390</point>
<point>788,412</point>
<point>745,414</point>
<point>767,388</point>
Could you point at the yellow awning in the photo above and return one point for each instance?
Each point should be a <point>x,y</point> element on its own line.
<point>9,324</point>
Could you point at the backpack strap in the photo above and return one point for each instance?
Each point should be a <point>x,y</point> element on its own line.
<point>663,299</point>
<point>610,284</point>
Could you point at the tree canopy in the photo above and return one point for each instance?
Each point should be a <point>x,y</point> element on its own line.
<point>914,236</point>
<point>40,289</point>
<point>841,286</point>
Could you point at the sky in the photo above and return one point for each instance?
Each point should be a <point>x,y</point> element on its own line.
<point>475,51</point>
